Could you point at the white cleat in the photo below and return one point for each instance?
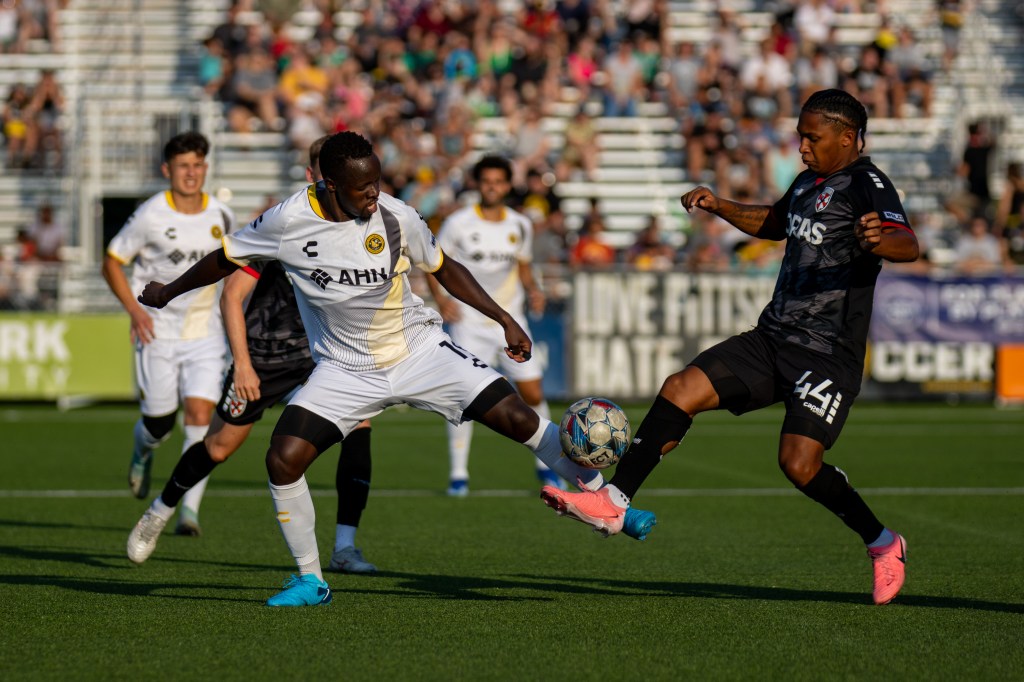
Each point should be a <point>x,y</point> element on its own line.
<point>143,538</point>
<point>350,560</point>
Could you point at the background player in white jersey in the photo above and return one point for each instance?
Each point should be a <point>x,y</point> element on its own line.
<point>270,360</point>
<point>348,248</point>
<point>495,244</point>
<point>180,351</point>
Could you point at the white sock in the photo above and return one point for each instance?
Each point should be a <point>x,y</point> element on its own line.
<point>344,536</point>
<point>161,509</point>
<point>545,445</point>
<point>459,438</point>
<point>194,497</point>
<point>297,518</point>
<point>619,498</point>
<point>544,412</point>
<point>145,443</point>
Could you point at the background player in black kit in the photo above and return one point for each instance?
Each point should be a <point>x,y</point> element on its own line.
<point>840,219</point>
<point>271,359</point>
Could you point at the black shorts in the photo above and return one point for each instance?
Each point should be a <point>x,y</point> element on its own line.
<point>753,370</point>
<point>276,383</point>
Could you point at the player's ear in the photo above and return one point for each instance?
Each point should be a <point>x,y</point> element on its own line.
<point>848,137</point>
<point>166,170</point>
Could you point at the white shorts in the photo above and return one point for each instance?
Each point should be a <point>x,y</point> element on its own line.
<point>438,377</point>
<point>487,342</point>
<point>169,370</point>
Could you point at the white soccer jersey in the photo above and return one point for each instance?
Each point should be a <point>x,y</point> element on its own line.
<point>164,243</point>
<point>492,251</point>
<point>351,278</point>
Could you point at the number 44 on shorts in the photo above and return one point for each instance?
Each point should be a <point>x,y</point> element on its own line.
<point>827,405</point>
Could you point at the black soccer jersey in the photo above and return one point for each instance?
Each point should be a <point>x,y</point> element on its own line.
<point>824,293</point>
<point>272,322</point>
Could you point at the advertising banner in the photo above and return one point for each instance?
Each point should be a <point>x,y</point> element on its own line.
<point>50,356</point>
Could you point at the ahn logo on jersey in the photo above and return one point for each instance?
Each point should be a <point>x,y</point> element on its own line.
<point>821,203</point>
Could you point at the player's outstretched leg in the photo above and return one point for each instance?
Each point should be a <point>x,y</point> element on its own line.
<point>144,536</point>
<point>604,509</point>
<point>889,562</point>
<point>302,590</point>
<point>148,434</point>
<point>352,482</point>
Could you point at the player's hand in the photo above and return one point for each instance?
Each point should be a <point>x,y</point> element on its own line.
<point>868,231</point>
<point>142,326</point>
<point>152,295</point>
<point>449,310</point>
<point>699,197</point>
<point>519,345</point>
<point>247,383</point>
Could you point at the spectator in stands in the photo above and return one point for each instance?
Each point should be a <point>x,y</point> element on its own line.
<point>582,66</point>
<point>254,93</point>
<point>581,148</point>
<point>768,70</point>
<point>433,199</point>
<point>975,164</point>
<point>45,109</point>
<point>649,252</point>
<point>782,163</point>
<point>683,71</point>
<point>17,26</point>
<point>302,78</point>
<point>27,271</point>
<point>1009,221</point>
<point>625,84</point>
<point>231,34</point>
<point>871,82</point>
<point>592,249</point>
<point>48,234</point>
<point>21,134</point>
<point>813,20</point>
<point>951,20</point>
<point>214,68</point>
<point>531,144</point>
<point>978,251</point>
<point>538,198</point>
<point>914,78</point>
<point>818,71</point>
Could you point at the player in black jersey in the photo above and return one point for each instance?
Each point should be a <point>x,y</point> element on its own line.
<point>271,359</point>
<point>840,218</point>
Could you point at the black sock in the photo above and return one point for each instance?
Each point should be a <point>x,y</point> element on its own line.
<point>352,479</point>
<point>195,465</point>
<point>831,489</point>
<point>664,423</point>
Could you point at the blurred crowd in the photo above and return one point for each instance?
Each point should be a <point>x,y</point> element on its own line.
<point>23,22</point>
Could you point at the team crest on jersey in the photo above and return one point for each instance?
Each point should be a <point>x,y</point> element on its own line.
<point>216,231</point>
<point>375,244</point>
<point>512,239</point>
<point>821,203</point>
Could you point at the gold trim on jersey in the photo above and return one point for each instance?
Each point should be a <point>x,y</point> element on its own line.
<point>385,337</point>
<point>224,245</point>
<point>169,195</point>
<point>440,262</point>
<point>314,203</point>
<point>197,319</point>
<point>480,213</point>
<point>117,257</point>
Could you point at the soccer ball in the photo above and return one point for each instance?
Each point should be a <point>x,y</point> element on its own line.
<point>594,433</point>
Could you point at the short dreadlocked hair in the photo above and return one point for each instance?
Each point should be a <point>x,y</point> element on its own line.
<point>841,109</point>
<point>492,161</point>
<point>340,148</point>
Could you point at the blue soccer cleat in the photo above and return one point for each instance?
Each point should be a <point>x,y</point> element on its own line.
<point>638,523</point>
<point>458,487</point>
<point>302,590</point>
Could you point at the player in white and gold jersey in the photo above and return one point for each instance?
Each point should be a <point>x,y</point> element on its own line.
<point>495,244</point>
<point>180,350</point>
<point>348,249</point>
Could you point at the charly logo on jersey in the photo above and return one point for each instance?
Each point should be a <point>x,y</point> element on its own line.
<point>216,232</point>
<point>821,203</point>
<point>374,244</point>
<point>171,232</point>
<point>309,250</point>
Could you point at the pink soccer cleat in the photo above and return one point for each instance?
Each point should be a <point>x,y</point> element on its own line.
<point>890,569</point>
<point>594,508</point>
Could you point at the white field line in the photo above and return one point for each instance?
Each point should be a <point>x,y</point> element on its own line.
<point>653,492</point>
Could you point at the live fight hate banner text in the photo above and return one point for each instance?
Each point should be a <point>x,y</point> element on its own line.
<point>931,338</point>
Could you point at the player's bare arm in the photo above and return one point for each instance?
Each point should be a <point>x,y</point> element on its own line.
<point>213,267</point>
<point>757,221</point>
<point>445,304</point>
<point>142,323</point>
<point>535,298</point>
<point>457,280</point>
<point>895,244</point>
<point>237,288</point>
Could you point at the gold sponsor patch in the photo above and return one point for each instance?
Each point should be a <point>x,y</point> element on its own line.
<point>217,232</point>
<point>375,244</point>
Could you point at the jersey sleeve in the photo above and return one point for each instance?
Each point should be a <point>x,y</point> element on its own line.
<point>129,240</point>
<point>874,192</point>
<point>525,254</point>
<point>423,248</point>
<point>260,239</point>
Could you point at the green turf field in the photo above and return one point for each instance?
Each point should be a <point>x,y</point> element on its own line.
<point>742,579</point>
